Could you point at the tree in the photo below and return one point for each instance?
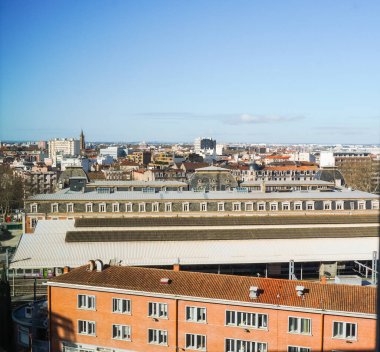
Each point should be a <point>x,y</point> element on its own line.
<point>11,191</point>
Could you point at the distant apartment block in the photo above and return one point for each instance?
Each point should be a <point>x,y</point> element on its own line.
<point>66,146</point>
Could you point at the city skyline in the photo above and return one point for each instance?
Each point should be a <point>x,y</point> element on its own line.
<point>250,72</point>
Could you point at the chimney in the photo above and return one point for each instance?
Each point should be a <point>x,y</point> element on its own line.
<point>324,280</point>
<point>66,269</point>
<point>176,267</point>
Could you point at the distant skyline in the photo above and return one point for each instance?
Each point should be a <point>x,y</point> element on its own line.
<point>251,71</point>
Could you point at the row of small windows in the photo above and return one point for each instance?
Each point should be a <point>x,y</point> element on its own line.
<point>296,325</point>
<point>203,206</point>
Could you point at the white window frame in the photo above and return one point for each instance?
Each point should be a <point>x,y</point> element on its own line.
<point>344,337</point>
<point>88,207</point>
<point>362,205</point>
<point>299,325</point>
<point>86,302</point>
<point>155,207</point>
<point>158,310</point>
<point>261,204</point>
<point>34,208</point>
<point>118,306</point>
<point>310,205</point>
<point>375,205</point>
<point>186,207</point>
<point>220,206</point>
<point>203,206</point>
<point>255,346</point>
<point>292,348</point>
<point>87,324</point>
<point>352,205</point>
<point>128,207</point>
<point>123,332</point>
<point>157,335</point>
<point>115,207</point>
<point>248,206</point>
<point>285,205</point>
<point>168,207</point>
<point>102,206</point>
<point>197,342</point>
<point>195,314</point>
<point>298,205</point>
<point>339,205</point>
<point>327,205</point>
<point>53,207</point>
<point>274,205</point>
<point>235,315</point>
<point>236,206</point>
<point>142,207</point>
<point>70,207</point>
<point>33,222</point>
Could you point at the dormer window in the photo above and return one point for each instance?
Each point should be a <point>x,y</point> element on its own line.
<point>168,207</point>
<point>236,206</point>
<point>327,205</point>
<point>274,206</point>
<point>310,205</point>
<point>298,206</point>
<point>203,207</point>
<point>70,208</point>
<point>102,207</point>
<point>54,208</point>
<point>89,208</point>
<point>142,207</point>
<point>115,207</point>
<point>33,208</point>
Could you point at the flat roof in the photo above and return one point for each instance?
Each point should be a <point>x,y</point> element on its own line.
<point>47,248</point>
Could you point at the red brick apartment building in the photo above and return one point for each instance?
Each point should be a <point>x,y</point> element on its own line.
<point>114,308</point>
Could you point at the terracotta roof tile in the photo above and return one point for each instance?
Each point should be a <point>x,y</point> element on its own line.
<point>334,297</point>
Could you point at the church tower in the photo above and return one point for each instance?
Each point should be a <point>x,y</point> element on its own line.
<point>82,142</point>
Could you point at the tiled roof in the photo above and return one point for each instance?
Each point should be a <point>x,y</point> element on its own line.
<point>332,297</point>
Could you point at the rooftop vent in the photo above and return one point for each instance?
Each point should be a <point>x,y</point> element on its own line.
<point>99,265</point>
<point>91,265</point>
<point>165,281</point>
<point>300,290</point>
<point>254,292</point>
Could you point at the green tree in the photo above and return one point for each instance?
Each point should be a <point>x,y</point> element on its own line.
<point>11,191</point>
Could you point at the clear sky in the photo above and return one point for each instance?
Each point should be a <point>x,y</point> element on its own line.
<point>274,71</point>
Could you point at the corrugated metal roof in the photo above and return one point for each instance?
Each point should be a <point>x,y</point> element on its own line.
<point>47,248</point>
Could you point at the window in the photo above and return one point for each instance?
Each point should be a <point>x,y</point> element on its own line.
<point>89,208</point>
<point>185,207</point>
<point>70,208</point>
<point>168,206</point>
<point>339,205</point>
<point>236,206</point>
<point>86,327</point>
<point>375,204</point>
<point>158,310</point>
<point>300,325</point>
<point>196,342</point>
<point>128,207</point>
<point>342,330</point>
<point>54,208</point>
<point>298,349</point>
<point>158,337</point>
<point>203,206</point>
<point>309,205</point>
<point>33,208</point>
<point>141,207</point>
<point>115,207</point>
<point>361,205</point>
<point>220,206</point>
<point>86,302</point>
<point>249,206</point>
<point>298,206</point>
<point>233,345</point>
<point>33,222</point>
<point>261,206</point>
<point>352,205</point>
<point>120,305</point>
<point>273,206</point>
<point>246,319</point>
<point>196,314</point>
<point>155,207</point>
<point>327,205</point>
<point>286,206</point>
<point>102,207</point>
<point>121,332</point>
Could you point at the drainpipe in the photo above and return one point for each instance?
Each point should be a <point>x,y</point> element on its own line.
<point>49,316</point>
<point>322,331</point>
<point>176,325</point>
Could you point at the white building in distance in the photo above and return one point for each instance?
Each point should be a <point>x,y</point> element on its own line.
<point>64,146</point>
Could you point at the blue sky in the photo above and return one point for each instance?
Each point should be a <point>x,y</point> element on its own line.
<point>241,71</point>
